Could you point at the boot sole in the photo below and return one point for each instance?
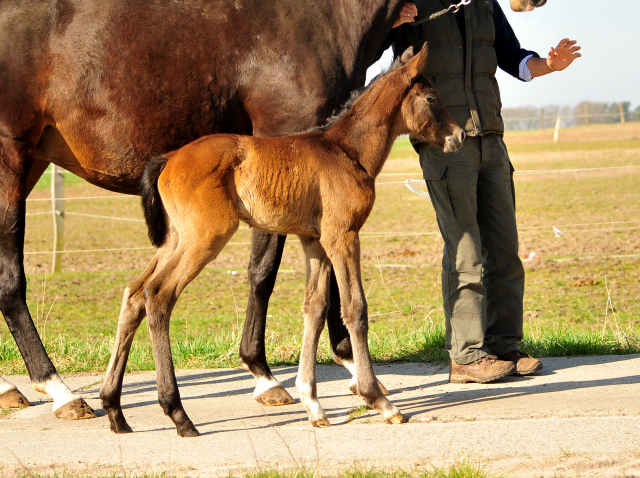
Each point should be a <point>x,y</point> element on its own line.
<point>469,378</point>
<point>522,373</point>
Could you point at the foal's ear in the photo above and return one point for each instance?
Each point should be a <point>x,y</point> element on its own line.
<point>421,61</point>
<point>407,55</point>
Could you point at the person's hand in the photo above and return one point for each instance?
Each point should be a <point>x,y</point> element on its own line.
<point>563,55</point>
<point>407,15</point>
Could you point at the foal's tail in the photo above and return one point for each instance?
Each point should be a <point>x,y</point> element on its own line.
<point>152,202</point>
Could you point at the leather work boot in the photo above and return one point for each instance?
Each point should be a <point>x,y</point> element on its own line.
<point>525,363</point>
<point>485,369</point>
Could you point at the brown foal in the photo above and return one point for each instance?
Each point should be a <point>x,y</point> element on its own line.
<point>318,185</point>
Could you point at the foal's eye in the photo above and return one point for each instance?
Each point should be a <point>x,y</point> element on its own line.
<point>431,99</point>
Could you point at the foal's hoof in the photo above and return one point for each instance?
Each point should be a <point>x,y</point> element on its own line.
<point>13,399</point>
<point>75,410</point>
<point>397,418</point>
<point>320,423</point>
<point>274,397</point>
<point>354,388</point>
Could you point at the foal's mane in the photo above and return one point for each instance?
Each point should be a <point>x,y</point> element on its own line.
<point>356,94</point>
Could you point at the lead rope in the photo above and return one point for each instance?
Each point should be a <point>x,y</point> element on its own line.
<point>451,8</point>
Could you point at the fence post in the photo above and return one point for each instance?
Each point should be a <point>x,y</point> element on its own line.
<point>57,203</point>
<point>586,113</point>
<point>541,118</point>
<point>557,131</point>
<point>621,113</point>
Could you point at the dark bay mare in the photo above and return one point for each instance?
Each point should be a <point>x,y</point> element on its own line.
<point>100,86</point>
<point>319,185</point>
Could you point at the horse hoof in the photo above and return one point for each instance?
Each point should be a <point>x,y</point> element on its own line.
<point>320,423</point>
<point>121,428</point>
<point>75,410</point>
<point>13,399</point>
<point>354,388</point>
<point>398,418</point>
<point>274,397</point>
<point>189,432</point>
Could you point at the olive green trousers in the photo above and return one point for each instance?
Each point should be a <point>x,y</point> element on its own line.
<point>482,275</point>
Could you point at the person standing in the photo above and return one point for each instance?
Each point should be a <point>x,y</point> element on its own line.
<point>472,189</point>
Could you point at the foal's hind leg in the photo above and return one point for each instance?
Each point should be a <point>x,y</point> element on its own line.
<point>266,253</point>
<point>343,250</point>
<point>14,170</point>
<point>132,312</point>
<point>194,251</point>
<point>316,305</point>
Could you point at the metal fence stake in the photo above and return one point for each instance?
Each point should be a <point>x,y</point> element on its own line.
<point>57,203</point>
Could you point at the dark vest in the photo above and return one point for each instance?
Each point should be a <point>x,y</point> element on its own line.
<point>462,66</point>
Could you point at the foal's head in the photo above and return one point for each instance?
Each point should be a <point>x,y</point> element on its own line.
<point>423,113</point>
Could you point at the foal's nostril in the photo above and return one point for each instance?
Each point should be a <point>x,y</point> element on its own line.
<point>461,135</point>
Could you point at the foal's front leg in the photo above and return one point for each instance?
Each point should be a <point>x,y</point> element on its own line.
<point>343,250</point>
<point>316,305</point>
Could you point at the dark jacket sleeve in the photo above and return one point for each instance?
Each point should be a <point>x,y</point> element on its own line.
<point>393,35</point>
<point>507,46</point>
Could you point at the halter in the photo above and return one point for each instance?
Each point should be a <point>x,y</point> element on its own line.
<point>451,8</point>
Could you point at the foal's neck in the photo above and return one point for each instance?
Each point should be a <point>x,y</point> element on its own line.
<point>367,131</point>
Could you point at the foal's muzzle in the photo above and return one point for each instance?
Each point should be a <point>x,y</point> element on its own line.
<point>453,142</point>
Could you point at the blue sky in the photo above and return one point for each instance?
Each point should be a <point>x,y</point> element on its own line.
<point>609,70</point>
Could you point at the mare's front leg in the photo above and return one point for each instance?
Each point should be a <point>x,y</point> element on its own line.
<point>343,250</point>
<point>315,308</point>
<point>266,254</point>
<point>14,170</point>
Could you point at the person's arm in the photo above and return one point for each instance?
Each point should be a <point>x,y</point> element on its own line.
<point>407,15</point>
<point>512,58</point>
<point>558,58</point>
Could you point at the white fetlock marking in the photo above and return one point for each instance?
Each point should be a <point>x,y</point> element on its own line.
<point>391,411</point>
<point>265,384</point>
<point>316,412</point>
<point>6,386</point>
<point>350,366</point>
<point>57,390</point>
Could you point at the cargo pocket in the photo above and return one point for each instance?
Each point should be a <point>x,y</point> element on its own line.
<point>435,175</point>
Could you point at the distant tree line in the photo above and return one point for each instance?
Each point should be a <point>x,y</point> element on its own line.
<point>529,117</point>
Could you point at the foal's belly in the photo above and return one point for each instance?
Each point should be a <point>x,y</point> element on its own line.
<point>277,217</point>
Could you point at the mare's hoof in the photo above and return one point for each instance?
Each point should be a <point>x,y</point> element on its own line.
<point>321,423</point>
<point>354,388</point>
<point>121,428</point>
<point>398,418</point>
<point>13,399</point>
<point>274,397</point>
<point>189,432</point>
<point>75,410</point>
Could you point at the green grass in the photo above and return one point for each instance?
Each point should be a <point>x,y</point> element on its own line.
<point>424,344</point>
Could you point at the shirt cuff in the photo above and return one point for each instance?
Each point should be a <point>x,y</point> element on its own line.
<point>523,70</point>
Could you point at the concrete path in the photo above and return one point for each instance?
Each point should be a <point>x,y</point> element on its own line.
<point>580,416</point>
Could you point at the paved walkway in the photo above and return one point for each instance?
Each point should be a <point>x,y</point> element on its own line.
<point>580,416</point>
